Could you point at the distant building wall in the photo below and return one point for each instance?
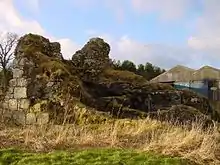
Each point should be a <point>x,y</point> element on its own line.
<point>179,76</point>
<point>200,87</point>
<point>206,73</point>
<point>201,81</point>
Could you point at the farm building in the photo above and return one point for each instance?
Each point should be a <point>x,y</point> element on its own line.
<point>205,81</point>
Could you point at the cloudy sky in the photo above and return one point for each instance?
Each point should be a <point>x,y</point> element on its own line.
<point>163,32</point>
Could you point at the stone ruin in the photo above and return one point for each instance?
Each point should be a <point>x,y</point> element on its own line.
<point>26,88</point>
<point>17,101</point>
<point>43,81</point>
<point>16,105</point>
<point>92,59</point>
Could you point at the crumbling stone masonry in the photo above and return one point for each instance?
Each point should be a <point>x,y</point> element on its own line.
<point>16,103</point>
<point>92,59</point>
<point>45,87</point>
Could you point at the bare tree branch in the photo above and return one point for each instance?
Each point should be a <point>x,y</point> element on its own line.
<point>8,43</point>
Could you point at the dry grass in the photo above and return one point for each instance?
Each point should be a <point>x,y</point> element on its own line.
<point>201,146</point>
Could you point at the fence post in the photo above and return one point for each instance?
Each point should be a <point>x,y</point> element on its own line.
<point>213,89</point>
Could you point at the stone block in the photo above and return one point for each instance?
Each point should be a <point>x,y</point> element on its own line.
<point>9,96</point>
<point>10,93</point>
<point>50,84</point>
<point>17,73</point>
<point>19,117</point>
<point>21,82</point>
<point>7,114</point>
<point>36,108</point>
<point>14,63</point>
<point>20,92</point>
<point>13,83</point>
<point>13,104</point>
<point>24,104</point>
<point>10,90</point>
<point>31,118</point>
<point>1,91</point>
<point>22,61</point>
<point>42,118</point>
<point>5,104</point>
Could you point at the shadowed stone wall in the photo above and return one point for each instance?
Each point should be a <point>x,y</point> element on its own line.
<point>16,104</point>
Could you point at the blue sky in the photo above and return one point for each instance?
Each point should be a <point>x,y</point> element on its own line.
<point>66,19</point>
<point>166,33</point>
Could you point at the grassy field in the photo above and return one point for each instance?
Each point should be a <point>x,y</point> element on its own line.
<point>143,136</point>
<point>87,157</point>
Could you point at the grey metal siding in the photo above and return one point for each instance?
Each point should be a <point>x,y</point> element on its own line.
<point>200,87</point>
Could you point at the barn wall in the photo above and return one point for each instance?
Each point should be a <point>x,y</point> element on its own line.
<point>195,80</point>
<point>200,87</point>
<point>206,73</point>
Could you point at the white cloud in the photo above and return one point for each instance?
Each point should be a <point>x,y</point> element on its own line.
<point>161,55</point>
<point>126,48</point>
<point>206,36</point>
<point>84,3</point>
<point>117,7</point>
<point>165,56</point>
<point>114,6</point>
<point>168,9</point>
<point>203,45</point>
<point>31,5</point>
<point>68,47</point>
<point>10,20</point>
<point>207,31</point>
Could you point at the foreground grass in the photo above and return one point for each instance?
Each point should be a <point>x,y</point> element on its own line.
<point>94,156</point>
<point>191,143</point>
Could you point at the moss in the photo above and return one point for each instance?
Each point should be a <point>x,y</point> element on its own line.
<point>181,114</point>
<point>32,43</point>
<point>111,76</point>
<point>132,113</point>
<point>73,111</point>
<point>86,115</point>
<point>49,67</point>
<point>113,83</point>
<point>37,49</point>
<point>116,75</point>
<point>55,68</point>
<point>159,86</point>
<point>215,105</point>
<point>34,37</point>
<point>39,106</point>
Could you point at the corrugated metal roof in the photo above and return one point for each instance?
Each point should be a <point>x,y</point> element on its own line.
<point>177,73</point>
<point>206,72</point>
<point>182,73</point>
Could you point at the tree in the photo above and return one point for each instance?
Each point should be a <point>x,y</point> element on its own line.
<point>148,71</point>
<point>129,66</point>
<point>140,69</point>
<point>149,67</point>
<point>8,41</point>
<point>116,64</point>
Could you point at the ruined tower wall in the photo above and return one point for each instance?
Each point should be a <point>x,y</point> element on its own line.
<point>16,104</point>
